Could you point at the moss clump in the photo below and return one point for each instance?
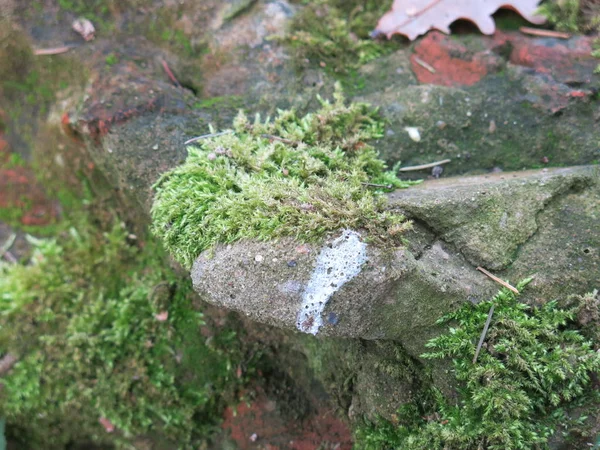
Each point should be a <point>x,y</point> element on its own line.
<point>335,33</point>
<point>293,176</point>
<point>577,16</point>
<point>562,14</point>
<point>105,335</point>
<point>535,364</point>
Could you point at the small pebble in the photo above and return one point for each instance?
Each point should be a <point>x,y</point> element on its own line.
<point>211,156</point>
<point>413,133</point>
<point>254,437</point>
<point>492,127</point>
<point>258,258</point>
<point>437,171</point>
<point>332,318</point>
<point>440,124</point>
<point>292,263</point>
<point>545,160</point>
<point>155,147</point>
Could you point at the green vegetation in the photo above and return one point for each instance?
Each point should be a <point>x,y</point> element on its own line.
<point>231,101</point>
<point>107,336</point>
<point>563,15</point>
<point>335,34</point>
<point>534,367</point>
<point>111,59</point>
<point>293,176</point>
<point>577,16</point>
<point>596,53</point>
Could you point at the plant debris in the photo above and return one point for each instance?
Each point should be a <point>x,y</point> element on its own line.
<point>85,28</point>
<point>413,18</point>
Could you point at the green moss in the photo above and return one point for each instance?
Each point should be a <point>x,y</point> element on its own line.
<point>292,176</point>
<point>577,16</point>
<point>534,368</point>
<point>231,101</point>
<point>103,331</point>
<point>563,15</point>
<point>111,59</point>
<point>596,53</point>
<point>334,34</point>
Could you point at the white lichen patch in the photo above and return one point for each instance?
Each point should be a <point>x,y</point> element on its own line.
<point>338,263</point>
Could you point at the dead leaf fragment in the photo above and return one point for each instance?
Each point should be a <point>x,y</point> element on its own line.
<point>85,28</point>
<point>413,18</point>
<point>107,424</point>
<point>162,316</point>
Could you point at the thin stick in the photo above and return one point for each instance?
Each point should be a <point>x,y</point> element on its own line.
<point>544,33</point>
<point>483,333</point>
<point>50,51</point>
<point>170,74</point>
<point>205,136</point>
<point>384,186</point>
<point>498,280</point>
<point>424,166</point>
<point>277,138</point>
<point>7,362</point>
<point>422,63</point>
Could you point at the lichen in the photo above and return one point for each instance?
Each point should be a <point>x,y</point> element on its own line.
<point>291,176</point>
<point>534,368</point>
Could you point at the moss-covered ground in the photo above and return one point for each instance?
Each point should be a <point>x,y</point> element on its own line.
<point>290,176</point>
<point>533,378</point>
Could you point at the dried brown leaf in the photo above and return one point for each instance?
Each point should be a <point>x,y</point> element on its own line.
<point>413,18</point>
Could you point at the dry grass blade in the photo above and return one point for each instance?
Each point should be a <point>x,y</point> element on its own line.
<point>544,33</point>
<point>424,166</point>
<point>483,334</point>
<point>51,51</point>
<point>498,280</point>
<point>422,63</point>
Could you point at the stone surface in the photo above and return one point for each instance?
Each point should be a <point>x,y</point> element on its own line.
<point>507,102</point>
<point>398,295</point>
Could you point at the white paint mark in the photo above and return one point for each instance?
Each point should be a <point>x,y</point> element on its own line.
<point>337,264</point>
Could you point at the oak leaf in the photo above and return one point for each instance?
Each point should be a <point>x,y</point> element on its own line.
<point>413,18</point>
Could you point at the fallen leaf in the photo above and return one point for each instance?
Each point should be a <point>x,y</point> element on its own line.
<point>85,28</point>
<point>413,18</point>
<point>162,316</point>
<point>107,424</point>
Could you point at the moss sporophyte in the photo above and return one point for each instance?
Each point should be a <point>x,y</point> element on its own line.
<point>290,176</point>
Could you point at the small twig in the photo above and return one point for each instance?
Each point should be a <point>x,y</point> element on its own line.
<point>498,280</point>
<point>483,333</point>
<point>544,33</point>
<point>7,362</point>
<point>170,74</point>
<point>7,245</point>
<point>424,166</point>
<point>280,139</point>
<point>422,63</point>
<point>10,258</point>
<point>51,51</point>
<point>384,186</point>
<point>205,136</point>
